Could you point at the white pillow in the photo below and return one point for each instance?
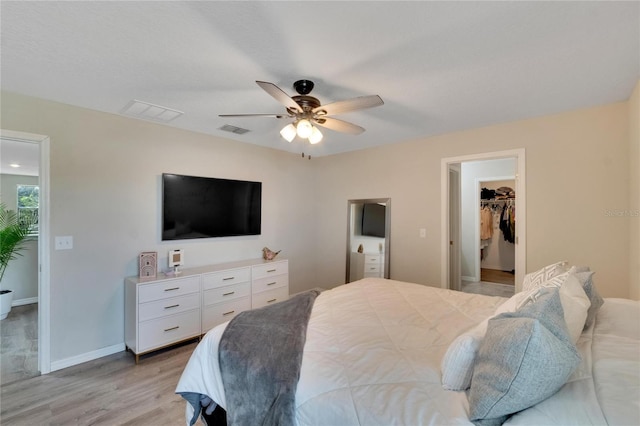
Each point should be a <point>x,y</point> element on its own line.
<point>457,364</point>
<point>574,300</point>
<point>575,304</point>
<point>535,279</point>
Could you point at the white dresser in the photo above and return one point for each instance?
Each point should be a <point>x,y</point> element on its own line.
<point>269,283</point>
<point>168,310</point>
<point>364,265</point>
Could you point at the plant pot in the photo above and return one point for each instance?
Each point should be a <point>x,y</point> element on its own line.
<point>6,297</point>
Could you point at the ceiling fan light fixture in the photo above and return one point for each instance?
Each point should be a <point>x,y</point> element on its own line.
<point>315,136</point>
<point>288,132</point>
<point>304,128</point>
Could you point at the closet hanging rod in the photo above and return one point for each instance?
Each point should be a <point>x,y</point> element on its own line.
<point>497,201</point>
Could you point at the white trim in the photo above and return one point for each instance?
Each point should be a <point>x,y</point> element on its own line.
<point>44,293</point>
<point>88,356</point>
<point>27,301</point>
<point>521,256</point>
<point>469,279</point>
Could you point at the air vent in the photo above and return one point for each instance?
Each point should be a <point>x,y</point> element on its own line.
<point>234,129</point>
<point>148,111</point>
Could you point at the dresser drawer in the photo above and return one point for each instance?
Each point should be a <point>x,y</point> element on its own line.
<point>217,314</point>
<point>224,278</point>
<point>164,307</point>
<point>270,269</point>
<point>371,268</point>
<point>372,258</point>
<point>270,297</point>
<point>168,288</point>
<point>170,329</point>
<point>268,283</point>
<point>222,294</point>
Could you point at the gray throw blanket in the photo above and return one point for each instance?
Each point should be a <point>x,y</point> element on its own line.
<point>260,355</point>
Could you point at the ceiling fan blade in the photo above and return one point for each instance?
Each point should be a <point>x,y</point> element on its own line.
<point>279,95</point>
<point>339,125</point>
<point>340,107</point>
<point>254,115</point>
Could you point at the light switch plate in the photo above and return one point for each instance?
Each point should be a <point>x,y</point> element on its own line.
<point>64,243</point>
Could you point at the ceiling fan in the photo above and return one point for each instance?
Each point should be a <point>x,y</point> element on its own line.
<point>306,110</point>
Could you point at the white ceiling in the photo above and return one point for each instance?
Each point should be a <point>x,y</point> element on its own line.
<point>19,158</point>
<point>439,66</point>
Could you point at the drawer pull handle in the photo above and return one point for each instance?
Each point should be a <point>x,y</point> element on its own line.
<point>228,278</point>
<point>271,270</point>
<point>271,283</point>
<point>172,306</point>
<point>272,300</point>
<point>228,294</point>
<point>372,268</point>
<point>172,328</point>
<point>228,313</point>
<point>172,289</point>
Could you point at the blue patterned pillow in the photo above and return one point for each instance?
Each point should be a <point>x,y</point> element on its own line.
<point>525,357</point>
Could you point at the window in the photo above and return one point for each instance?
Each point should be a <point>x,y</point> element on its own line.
<point>28,202</point>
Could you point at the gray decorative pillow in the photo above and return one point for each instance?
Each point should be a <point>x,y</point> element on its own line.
<point>525,357</point>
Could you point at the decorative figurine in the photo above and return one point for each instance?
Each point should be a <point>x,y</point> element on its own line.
<point>269,254</point>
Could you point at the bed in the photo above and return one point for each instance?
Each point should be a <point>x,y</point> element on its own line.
<point>377,352</point>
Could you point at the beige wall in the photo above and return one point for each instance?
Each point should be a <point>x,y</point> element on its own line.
<point>577,169</point>
<point>105,183</point>
<point>634,191</point>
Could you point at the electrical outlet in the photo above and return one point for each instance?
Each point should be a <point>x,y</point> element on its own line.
<point>423,233</point>
<point>64,243</point>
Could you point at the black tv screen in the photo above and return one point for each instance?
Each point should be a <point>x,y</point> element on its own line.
<point>373,220</point>
<point>202,207</point>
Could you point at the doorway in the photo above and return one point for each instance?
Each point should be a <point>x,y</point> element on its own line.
<point>463,246</point>
<point>368,239</point>
<point>33,307</point>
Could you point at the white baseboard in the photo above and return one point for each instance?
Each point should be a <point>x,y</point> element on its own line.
<point>89,356</point>
<point>27,301</point>
<point>470,279</point>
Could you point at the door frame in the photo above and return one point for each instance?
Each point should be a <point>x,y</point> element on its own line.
<point>520,244</point>
<point>44,293</point>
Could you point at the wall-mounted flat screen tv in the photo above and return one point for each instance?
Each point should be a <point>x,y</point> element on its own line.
<point>203,207</point>
<point>373,220</point>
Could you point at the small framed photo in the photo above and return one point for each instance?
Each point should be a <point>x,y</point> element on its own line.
<point>176,258</point>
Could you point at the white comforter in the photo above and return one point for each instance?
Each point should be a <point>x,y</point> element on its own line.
<point>373,352</point>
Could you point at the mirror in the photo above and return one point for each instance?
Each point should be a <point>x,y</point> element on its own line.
<point>368,224</point>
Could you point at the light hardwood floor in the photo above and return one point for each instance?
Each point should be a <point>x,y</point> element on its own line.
<point>19,344</point>
<point>108,391</point>
<point>496,276</point>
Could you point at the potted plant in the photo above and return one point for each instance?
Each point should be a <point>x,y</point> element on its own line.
<point>13,232</point>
